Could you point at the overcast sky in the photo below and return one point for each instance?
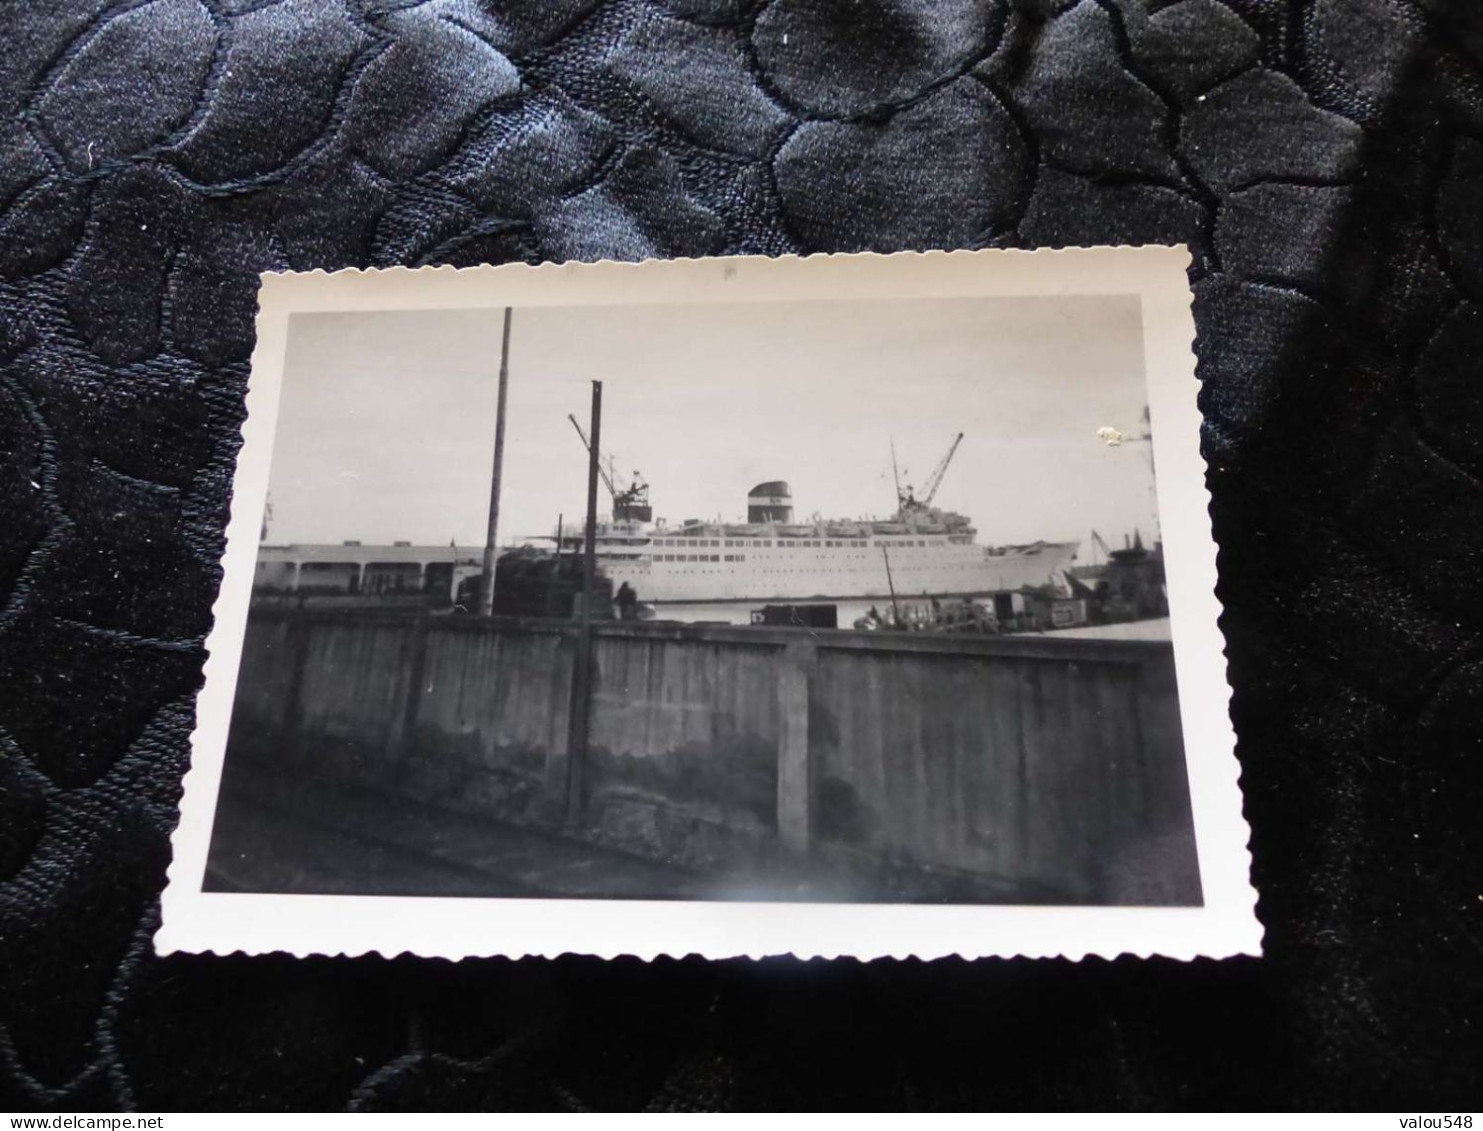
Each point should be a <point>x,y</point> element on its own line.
<point>386,424</point>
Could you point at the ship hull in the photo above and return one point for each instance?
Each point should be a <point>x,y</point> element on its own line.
<point>731,571</point>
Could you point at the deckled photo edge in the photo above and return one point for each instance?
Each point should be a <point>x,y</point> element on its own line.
<point>196,921</point>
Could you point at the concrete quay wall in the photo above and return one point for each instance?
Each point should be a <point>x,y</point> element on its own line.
<point>1046,769</point>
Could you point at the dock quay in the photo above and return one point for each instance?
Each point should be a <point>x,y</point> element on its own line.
<point>766,762</point>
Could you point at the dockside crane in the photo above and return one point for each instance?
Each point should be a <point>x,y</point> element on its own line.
<point>630,502</point>
<point>934,480</point>
<point>1099,541</point>
<point>604,471</point>
<point>908,498</point>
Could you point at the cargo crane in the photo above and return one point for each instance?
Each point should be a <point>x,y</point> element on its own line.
<point>934,480</point>
<point>1099,541</point>
<point>907,498</point>
<point>631,502</point>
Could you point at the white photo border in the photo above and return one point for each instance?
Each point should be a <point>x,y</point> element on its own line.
<point>223,922</point>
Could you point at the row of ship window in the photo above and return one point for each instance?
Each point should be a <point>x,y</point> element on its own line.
<point>705,558</point>
<point>690,543</point>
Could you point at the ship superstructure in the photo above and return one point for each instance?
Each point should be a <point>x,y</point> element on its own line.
<point>920,550</point>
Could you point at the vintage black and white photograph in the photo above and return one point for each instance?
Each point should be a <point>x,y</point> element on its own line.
<point>853,597</point>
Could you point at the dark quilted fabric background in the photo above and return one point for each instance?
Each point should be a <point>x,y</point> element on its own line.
<point>1324,160</point>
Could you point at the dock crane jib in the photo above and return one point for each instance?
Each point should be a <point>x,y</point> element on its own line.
<point>631,502</point>
<point>607,477</point>
<point>934,480</point>
<point>907,497</point>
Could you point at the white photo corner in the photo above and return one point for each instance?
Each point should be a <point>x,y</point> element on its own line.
<point>847,605</point>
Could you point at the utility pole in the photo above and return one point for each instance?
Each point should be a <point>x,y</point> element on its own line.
<point>491,545</point>
<point>589,547</point>
<point>1146,437</point>
<point>582,676</point>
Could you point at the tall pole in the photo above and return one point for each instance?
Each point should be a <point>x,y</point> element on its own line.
<point>1153,478</point>
<point>895,610</point>
<point>582,676</point>
<point>589,548</point>
<point>896,475</point>
<point>491,551</point>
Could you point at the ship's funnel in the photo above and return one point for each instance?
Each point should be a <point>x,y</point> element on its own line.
<point>770,502</point>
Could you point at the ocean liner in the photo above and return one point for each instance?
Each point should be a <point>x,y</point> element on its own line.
<point>922,550</point>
